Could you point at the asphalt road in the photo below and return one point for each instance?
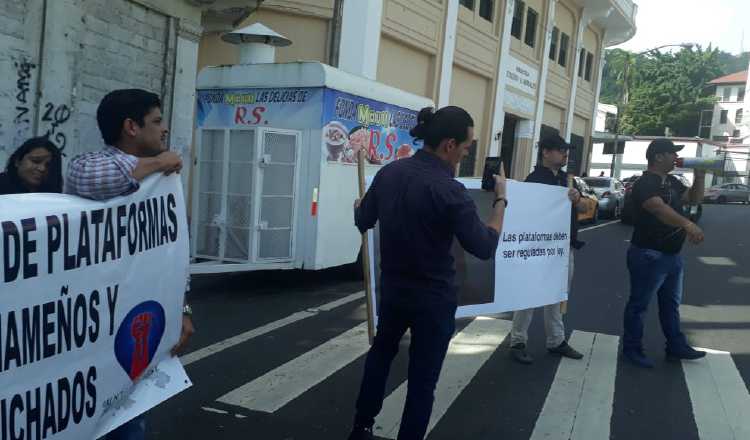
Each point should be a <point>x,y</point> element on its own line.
<point>294,370</point>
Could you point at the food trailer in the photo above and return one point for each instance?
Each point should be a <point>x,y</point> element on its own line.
<point>275,174</point>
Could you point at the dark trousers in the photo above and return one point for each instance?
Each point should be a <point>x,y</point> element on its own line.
<point>654,273</point>
<point>432,327</point>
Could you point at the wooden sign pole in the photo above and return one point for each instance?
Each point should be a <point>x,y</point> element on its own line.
<point>366,253</point>
<point>564,304</point>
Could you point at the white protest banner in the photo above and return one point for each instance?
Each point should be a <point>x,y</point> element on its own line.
<point>92,298</point>
<point>530,268</point>
<point>532,259</point>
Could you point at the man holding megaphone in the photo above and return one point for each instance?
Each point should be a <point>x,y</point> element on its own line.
<point>654,260</point>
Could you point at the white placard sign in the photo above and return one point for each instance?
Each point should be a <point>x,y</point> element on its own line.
<point>530,268</point>
<point>92,298</point>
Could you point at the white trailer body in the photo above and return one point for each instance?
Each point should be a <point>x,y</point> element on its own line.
<point>275,173</point>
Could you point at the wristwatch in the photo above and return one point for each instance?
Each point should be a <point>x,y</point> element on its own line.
<point>187,310</point>
<point>498,199</point>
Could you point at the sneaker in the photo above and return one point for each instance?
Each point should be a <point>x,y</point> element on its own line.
<point>565,350</point>
<point>518,351</point>
<point>687,353</point>
<point>637,357</point>
<point>361,433</point>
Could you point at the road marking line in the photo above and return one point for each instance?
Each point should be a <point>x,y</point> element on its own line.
<point>594,415</point>
<point>719,396</point>
<point>467,352</point>
<point>579,403</point>
<point>260,331</point>
<point>717,261</point>
<point>214,410</point>
<point>599,226</point>
<point>278,387</point>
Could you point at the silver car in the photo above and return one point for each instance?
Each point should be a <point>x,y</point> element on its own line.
<point>611,194</point>
<point>728,192</point>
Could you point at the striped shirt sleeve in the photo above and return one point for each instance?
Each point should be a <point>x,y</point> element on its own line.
<point>102,175</point>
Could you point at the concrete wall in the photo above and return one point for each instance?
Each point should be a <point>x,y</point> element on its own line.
<point>59,58</point>
<point>419,78</point>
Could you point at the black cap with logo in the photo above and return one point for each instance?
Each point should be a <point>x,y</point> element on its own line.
<point>662,145</point>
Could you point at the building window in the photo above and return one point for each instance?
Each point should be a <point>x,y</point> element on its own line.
<point>741,95</point>
<point>467,4</point>
<point>553,43</point>
<point>466,168</point>
<point>727,94</point>
<point>736,134</point>
<point>564,42</point>
<point>531,18</point>
<point>589,65</point>
<point>581,62</point>
<point>486,8</point>
<point>724,116</point>
<point>515,28</point>
<point>738,117</point>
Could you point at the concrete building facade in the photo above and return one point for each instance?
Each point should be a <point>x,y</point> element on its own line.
<point>729,119</point>
<point>521,68</point>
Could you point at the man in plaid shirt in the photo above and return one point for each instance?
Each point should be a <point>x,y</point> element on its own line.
<point>132,126</point>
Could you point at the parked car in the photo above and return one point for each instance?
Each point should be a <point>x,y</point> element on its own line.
<point>611,195</point>
<point>590,202</point>
<point>727,193</point>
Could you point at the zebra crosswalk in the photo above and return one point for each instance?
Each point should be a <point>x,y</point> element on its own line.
<point>579,400</point>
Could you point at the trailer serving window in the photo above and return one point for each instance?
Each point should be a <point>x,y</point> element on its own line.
<point>244,201</point>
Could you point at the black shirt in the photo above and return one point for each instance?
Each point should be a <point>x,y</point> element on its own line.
<point>649,231</point>
<point>9,186</point>
<point>544,175</point>
<point>420,207</point>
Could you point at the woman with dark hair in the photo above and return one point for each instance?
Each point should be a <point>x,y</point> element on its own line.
<point>36,166</point>
<point>420,208</point>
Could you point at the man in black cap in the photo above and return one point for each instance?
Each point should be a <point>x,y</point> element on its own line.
<point>654,259</point>
<point>553,155</point>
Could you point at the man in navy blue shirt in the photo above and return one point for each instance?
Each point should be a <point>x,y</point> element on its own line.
<point>420,208</point>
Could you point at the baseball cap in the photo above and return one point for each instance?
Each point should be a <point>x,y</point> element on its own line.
<point>662,145</point>
<point>554,142</point>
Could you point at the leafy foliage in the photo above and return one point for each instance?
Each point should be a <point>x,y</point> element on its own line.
<point>666,89</point>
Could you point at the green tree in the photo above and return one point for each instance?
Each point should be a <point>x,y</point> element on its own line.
<point>664,89</point>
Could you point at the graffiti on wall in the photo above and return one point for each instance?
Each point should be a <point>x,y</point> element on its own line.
<point>24,100</point>
<point>56,116</point>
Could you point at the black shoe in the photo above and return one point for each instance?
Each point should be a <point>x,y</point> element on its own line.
<point>361,433</point>
<point>565,350</point>
<point>638,358</point>
<point>518,351</point>
<point>687,353</point>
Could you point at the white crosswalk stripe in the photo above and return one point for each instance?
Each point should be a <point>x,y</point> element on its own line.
<point>260,331</point>
<point>467,352</point>
<point>278,387</point>
<point>720,400</point>
<point>579,404</point>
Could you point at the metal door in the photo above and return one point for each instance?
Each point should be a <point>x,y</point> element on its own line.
<point>222,213</point>
<point>275,195</point>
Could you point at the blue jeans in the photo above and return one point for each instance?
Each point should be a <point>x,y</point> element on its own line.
<point>132,430</point>
<point>432,327</point>
<point>653,272</point>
